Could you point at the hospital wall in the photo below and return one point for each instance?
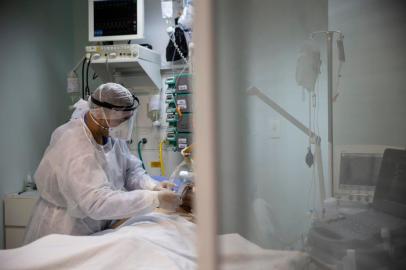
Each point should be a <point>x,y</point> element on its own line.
<point>36,53</point>
<point>371,107</point>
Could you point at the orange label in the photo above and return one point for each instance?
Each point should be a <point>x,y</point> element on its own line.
<point>155,164</point>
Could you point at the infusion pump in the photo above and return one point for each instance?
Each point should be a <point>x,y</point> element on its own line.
<point>120,52</point>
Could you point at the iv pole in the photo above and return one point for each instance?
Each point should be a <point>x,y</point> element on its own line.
<point>341,57</point>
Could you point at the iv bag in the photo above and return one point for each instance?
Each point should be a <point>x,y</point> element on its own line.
<point>308,66</point>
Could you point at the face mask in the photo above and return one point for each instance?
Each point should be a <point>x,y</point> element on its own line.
<point>123,131</point>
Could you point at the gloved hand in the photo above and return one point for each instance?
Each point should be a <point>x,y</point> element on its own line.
<point>164,185</point>
<point>168,200</point>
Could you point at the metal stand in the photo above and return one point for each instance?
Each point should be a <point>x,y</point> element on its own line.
<point>329,44</point>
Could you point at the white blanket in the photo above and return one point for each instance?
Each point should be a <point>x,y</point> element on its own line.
<point>153,241</point>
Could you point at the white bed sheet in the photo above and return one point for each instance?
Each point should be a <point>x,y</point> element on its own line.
<point>154,241</point>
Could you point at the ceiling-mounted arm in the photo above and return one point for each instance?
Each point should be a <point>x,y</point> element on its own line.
<point>253,91</point>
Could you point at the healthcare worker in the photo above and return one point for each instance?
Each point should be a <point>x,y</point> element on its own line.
<point>88,177</point>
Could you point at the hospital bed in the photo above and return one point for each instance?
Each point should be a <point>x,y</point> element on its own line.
<point>152,241</point>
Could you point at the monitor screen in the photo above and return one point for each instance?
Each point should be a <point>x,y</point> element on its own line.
<point>360,169</point>
<point>111,20</point>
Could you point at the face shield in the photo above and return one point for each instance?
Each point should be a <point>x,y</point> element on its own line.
<point>113,107</point>
<point>124,130</point>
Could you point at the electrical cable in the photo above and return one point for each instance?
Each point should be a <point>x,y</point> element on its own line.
<point>173,39</point>
<point>83,78</point>
<point>142,141</point>
<point>173,68</point>
<point>318,105</point>
<point>107,67</point>
<point>310,118</point>
<point>87,89</point>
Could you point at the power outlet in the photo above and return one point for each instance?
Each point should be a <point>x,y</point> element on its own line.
<point>275,128</point>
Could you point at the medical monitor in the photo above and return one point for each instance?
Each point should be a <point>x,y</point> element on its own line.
<point>356,171</point>
<point>112,20</point>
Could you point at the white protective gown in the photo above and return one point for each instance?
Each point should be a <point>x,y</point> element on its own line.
<point>83,185</point>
